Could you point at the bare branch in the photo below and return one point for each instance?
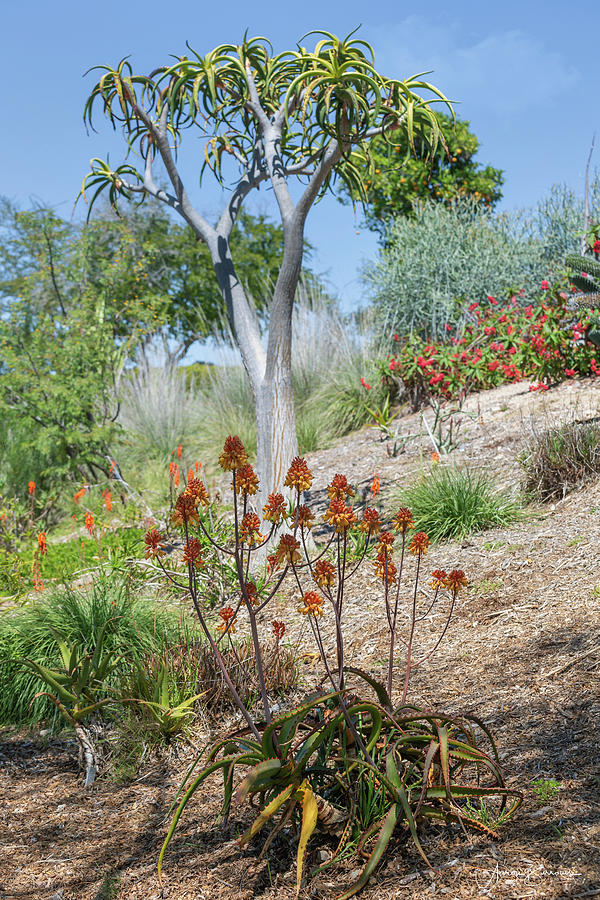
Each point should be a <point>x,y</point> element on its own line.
<point>254,105</point>
<point>254,175</point>
<point>331,157</point>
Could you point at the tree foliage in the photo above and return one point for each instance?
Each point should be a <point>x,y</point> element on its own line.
<point>74,304</point>
<point>263,117</point>
<point>396,178</point>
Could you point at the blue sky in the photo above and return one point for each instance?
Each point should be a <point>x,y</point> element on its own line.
<point>523,73</point>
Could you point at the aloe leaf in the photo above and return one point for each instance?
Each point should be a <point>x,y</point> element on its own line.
<point>267,813</point>
<point>48,676</point>
<point>382,694</point>
<point>258,777</point>
<point>309,820</point>
<point>185,800</point>
<point>387,829</point>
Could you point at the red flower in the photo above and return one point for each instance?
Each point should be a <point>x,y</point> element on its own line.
<point>154,544</point>
<point>89,522</point>
<point>246,480</point>
<point>228,616</point>
<point>570,372</point>
<point>274,509</point>
<point>419,544</point>
<point>366,386</point>
<point>493,301</point>
<point>179,451</point>
<point>371,522</point>
<point>324,573</point>
<point>339,488</point>
<point>250,530</point>
<point>31,487</point>
<point>42,542</point>
<point>312,604</point>
<point>596,246</point>
<point>299,475</point>
<point>403,521</point>
<point>193,553</point>
<point>544,285</point>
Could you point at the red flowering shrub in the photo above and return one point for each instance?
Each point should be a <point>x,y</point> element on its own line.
<point>541,341</point>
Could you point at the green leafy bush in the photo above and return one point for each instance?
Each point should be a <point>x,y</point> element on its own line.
<point>443,256</point>
<point>544,341</point>
<point>65,558</point>
<point>451,503</point>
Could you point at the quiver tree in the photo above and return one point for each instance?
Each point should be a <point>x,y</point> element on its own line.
<point>298,116</point>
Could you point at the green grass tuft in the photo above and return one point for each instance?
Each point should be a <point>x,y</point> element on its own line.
<point>451,503</point>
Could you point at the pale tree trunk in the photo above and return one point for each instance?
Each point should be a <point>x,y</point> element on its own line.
<point>269,371</point>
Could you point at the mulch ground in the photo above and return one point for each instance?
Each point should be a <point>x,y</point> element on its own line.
<point>523,654</point>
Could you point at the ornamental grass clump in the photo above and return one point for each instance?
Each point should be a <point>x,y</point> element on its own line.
<point>560,459</point>
<point>451,503</point>
<point>356,759</point>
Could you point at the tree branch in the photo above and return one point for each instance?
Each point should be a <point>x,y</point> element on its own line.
<point>255,174</point>
<point>331,157</point>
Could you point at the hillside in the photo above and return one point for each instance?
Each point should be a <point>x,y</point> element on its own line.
<point>523,654</point>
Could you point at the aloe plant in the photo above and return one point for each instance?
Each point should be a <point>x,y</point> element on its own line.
<point>360,767</point>
<point>75,690</point>
<point>153,693</point>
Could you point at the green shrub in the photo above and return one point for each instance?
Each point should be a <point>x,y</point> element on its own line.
<point>560,459</point>
<point>451,503</point>
<point>445,255</point>
<point>136,626</point>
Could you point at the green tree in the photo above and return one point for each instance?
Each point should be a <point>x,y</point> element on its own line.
<point>396,175</point>
<point>74,304</point>
<point>180,270</point>
<point>264,118</point>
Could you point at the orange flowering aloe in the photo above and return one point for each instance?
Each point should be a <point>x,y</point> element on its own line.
<point>288,549</point>
<point>234,455</point>
<point>403,520</point>
<point>274,508</point>
<point>298,476</point>
<point>246,480</point>
<point>339,718</point>
<point>155,546</point>
<point>340,516</point>
<point>250,530</point>
<point>339,489</point>
<point>303,517</point>
<point>278,629</point>
<point>371,523</point>
<point>185,512</point>
<point>197,489</point>
<point>324,573</point>
<point>228,620</point>
<point>312,604</point>
<point>419,544</point>
<point>192,553</point>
